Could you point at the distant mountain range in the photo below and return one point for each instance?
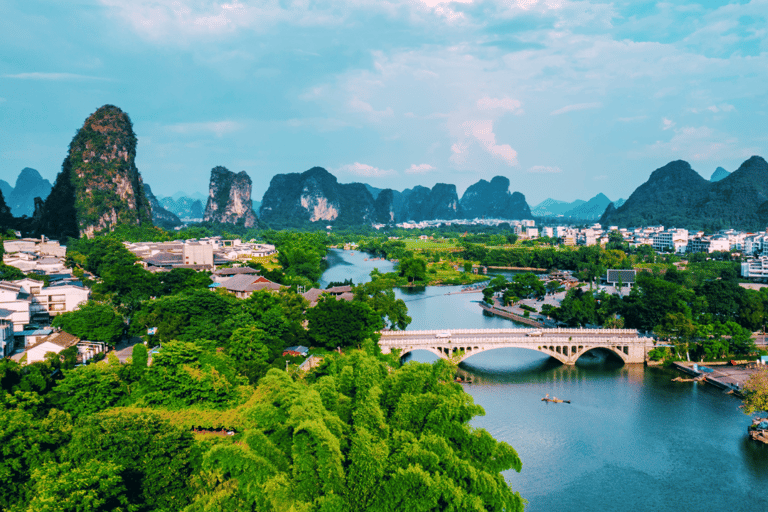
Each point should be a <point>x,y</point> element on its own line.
<point>21,198</point>
<point>677,196</point>
<point>719,174</point>
<point>674,195</point>
<point>299,199</point>
<point>576,210</point>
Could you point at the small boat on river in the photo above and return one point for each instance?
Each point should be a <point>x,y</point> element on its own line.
<point>555,400</point>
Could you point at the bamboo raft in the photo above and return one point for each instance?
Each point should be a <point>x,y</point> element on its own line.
<point>700,378</point>
<point>555,401</point>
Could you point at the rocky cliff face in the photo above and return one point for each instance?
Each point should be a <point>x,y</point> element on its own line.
<point>99,186</point>
<point>441,202</point>
<point>493,200</point>
<point>315,196</point>
<point>29,185</point>
<point>229,198</point>
<point>160,215</point>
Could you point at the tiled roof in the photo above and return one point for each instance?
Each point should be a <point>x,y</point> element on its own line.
<point>313,294</point>
<point>339,289</point>
<point>234,271</point>
<point>164,259</point>
<point>61,338</point>
<point>345,296</point>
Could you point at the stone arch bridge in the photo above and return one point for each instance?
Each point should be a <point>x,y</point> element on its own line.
<point>565,345</point>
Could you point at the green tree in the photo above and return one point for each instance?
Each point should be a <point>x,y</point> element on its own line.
<point>413,269</point>
<point>92,321</point>
<point>139,359</point>
<point>253,350</point>
<point>89,389</point>
<point>94,486</point>
<point>185,373</point>
<point>756,390</point>
<point>340,323</point>
<point>156,460</point>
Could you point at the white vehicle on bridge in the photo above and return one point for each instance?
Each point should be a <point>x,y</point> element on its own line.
<point>535,333</point>
<point>444,334</point>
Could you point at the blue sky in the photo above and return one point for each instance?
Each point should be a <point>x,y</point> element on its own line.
<point>566,99</point>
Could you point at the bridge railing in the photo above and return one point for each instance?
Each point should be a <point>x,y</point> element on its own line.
<point>521,331</point>
<point>587,340</point>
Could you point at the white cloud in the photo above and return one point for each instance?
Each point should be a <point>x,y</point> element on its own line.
<point>699,144</point>
<point>367,171</point>
<point>575,107</point>
<point>219,128</point>
<point>52,76</point>
<point>434,3</point>
<point>358,105</point>
<point>420,169</point>
<point>503,104</point>
<point>600,177</point>
<point>2,100</point>
<point>321,124</point>
<point>481,132</point>
<point>667,124</point>
<point>723,107</point>
<point>544,169</point>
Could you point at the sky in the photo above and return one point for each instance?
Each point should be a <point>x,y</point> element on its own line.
<point>565,98</point>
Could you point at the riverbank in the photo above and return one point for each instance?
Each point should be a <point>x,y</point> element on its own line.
<point>495,310</point>
<point>723,376</point>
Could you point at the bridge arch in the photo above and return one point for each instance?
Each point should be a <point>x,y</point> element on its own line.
<point>433,350</point>
<point>477,350</point>
<point>618,351</point>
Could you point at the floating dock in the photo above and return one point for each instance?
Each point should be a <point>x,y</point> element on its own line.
<point>721,375</point>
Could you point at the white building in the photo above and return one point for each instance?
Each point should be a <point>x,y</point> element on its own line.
<point>755,268</point>
<point>708,244</point>
<point>531,232</point>
<point>17,304</point>
<point>6,334</point>
<point>670,240</point>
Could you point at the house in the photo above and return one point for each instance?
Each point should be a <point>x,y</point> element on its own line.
<point>244,285</point>
<point>17,301</point>
<point>300,351</point>
<point>626,277</point>
<point>340,292</point>
<point>55,342</point>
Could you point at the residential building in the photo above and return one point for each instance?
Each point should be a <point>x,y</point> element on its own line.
<point>755,268</point>
<point>7,344</point>
<point>675,240</point>
<point>244,285</point>
<point>625,277</point>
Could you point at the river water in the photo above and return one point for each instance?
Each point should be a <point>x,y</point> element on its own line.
<point>630,440</point>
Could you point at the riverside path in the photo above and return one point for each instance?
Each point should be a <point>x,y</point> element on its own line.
<point>565,345</point>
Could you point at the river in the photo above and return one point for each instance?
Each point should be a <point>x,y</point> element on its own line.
<point>630,440</point>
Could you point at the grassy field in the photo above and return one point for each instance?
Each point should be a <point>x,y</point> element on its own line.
<point>414,244</point>
<point>269,262</point>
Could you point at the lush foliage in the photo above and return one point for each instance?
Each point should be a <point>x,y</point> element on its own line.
<point>92,321</point>
<point>756,389</point>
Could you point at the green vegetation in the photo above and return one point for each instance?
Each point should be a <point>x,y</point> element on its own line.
<point>756,390</point>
